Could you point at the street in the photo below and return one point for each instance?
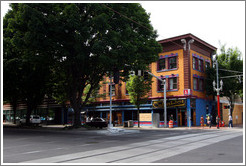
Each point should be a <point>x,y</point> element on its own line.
<point>129,146</point>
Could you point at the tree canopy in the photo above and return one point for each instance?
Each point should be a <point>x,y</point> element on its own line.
<point>72,45</point>
<point>230,63</point>
<point>138,89</point>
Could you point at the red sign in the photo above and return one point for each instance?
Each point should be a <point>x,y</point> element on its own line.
<point>187,92</point>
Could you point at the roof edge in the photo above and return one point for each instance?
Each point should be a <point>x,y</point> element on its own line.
<point>187,36</point>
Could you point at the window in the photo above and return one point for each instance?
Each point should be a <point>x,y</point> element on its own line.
<point>172,63</point>
<point>200,67</point>
<point>198,84</point>
<point>161,64</point>
<point>195,82</point>
<point>207,65</point>
<point>113,89</point>
<point>195,63</point>
<point>173,83</point>
<point>201,84</point>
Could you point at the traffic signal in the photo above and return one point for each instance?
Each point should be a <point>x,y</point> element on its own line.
<point>146,75</point>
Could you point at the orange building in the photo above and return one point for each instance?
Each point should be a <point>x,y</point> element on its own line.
<point>182,63</point>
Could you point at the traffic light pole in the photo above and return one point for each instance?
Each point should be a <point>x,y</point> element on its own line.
<point>165,98</point>
<point>110,108</point>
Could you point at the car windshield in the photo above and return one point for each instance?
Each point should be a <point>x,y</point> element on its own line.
<point>98,120</point>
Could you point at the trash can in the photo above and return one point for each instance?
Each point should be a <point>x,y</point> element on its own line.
<point>125,124</point>
<point>130,123</point>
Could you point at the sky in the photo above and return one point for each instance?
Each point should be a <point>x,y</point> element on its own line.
<point>214,22</point>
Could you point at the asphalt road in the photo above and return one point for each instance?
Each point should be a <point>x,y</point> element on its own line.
<point>129,146</point>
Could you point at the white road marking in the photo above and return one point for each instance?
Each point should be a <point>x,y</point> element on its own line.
<point>143,152</point>
<point>31,152</point>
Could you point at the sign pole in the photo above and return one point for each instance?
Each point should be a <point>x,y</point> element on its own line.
<point>165,101</point>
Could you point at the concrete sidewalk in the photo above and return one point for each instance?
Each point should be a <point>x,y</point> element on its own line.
<point>66,127</point>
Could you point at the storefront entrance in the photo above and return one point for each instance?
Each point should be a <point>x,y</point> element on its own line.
<point>182,117</point>
<point>116,118</point>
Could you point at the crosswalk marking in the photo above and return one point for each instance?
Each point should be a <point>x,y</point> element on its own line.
<point>143,152</point>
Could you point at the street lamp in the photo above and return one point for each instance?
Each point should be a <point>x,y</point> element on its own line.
<point>217,89</point>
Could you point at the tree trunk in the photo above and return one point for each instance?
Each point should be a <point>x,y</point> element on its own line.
<point>77,120</point>
<point>75,102</point>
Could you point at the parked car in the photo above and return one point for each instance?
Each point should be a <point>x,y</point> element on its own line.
<point>34,119</point>
<point>97,122</point>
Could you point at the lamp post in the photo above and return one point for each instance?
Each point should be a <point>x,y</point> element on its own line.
<point>218,89</point>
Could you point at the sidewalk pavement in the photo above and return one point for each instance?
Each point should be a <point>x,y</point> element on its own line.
<point>64,127</point>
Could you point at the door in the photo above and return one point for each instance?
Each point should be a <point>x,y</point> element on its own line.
<point>182,118</point>
<point>179,119</point>
<point>194,117</point>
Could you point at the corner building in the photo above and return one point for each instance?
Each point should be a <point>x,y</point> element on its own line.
<point>182,62</point>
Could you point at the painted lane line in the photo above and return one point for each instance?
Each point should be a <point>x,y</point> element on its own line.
<point>31,152</point>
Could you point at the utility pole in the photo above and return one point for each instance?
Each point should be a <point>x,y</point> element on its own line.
<point>164,96</point>
<point>110,107</point>
<point>218,89</point>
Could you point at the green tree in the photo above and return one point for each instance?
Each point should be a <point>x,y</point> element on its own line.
<point>27,66</point>
<point>11,65</point>
<point>138,89</point>
<point>230,63</point>
<point>85,41</point>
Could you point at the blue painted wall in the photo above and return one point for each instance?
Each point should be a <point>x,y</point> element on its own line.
<point>201,110</point>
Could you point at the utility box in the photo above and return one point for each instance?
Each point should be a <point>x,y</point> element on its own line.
<point>156,120</point>
<point>130,123</point>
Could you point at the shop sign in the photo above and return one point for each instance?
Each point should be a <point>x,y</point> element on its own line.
<point>170,103</point>
<point>145,117</point>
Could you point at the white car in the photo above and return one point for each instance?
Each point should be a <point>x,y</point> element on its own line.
<point>34,119</point>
